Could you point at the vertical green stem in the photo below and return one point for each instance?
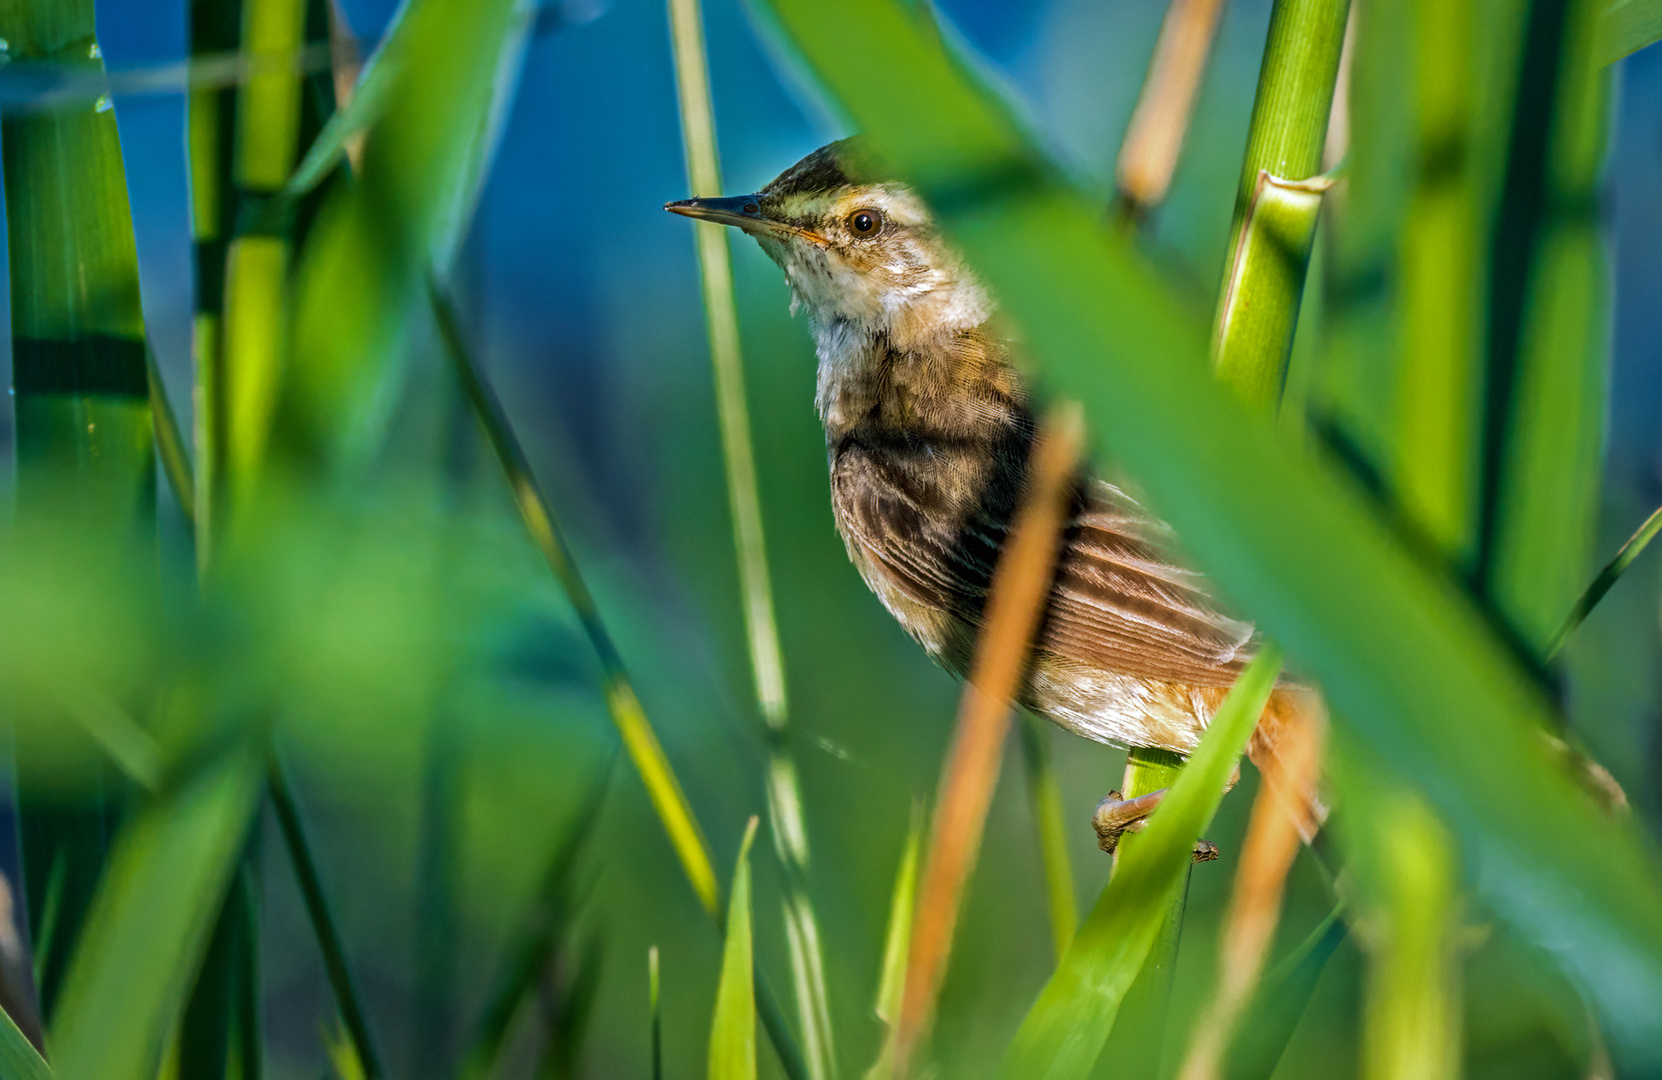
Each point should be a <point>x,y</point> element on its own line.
<point>1412,1029</point>
<point>84,440</point>
<point>785,818</point>
<point>1289,127</point>
<point>1147,1002</point>
<point>215,29</point>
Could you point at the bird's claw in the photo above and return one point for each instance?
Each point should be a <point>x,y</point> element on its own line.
<point>1116,815</point>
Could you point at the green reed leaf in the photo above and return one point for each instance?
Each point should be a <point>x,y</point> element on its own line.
<point>19,1060</point>
<point>1625,27</point>
<point>1066,1028</point>
<point>162,887</point>
<point>733,1028</point>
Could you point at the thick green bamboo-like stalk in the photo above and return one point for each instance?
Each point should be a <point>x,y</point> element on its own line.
<point>215,30</point>
<point>83,430</point>
<point>1411,1028</point>
<point>257,259</point>
<point>1289,128</point>
<point>1547,502</point>
<point>767,662</point>
<point>1440,310</point>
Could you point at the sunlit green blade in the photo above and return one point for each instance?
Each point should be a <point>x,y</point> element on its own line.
<point>767,662</point>
<point>1289,539</point>
<point>1065,1031</point>
<point>1549,487</point>
<point>150,921</point>
<point>733,1028</point>
<point>1626,26</point>
<point>365,270</point>
<point>19,1060</point>
<point>897,940</point>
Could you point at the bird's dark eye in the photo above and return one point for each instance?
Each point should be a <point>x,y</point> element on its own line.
<point>865,222</point>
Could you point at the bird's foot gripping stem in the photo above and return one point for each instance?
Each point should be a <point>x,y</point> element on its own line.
<point>1116,815</point>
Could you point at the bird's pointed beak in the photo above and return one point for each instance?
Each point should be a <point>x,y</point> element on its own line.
<point>741,212</point>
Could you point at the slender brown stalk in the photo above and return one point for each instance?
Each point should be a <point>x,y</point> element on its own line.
<point>1021,582</point>
<point>1272,842</point>
<point>1148,156</point>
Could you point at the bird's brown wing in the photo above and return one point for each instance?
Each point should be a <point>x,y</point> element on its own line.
<point>1119,604</point>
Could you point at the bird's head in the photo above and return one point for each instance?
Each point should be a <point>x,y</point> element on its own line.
<point>859,253</point>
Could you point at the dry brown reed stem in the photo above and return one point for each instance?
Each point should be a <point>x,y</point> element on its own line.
<point>1272,842</point>
<point>1148,156</point>
<point>1021,582</point>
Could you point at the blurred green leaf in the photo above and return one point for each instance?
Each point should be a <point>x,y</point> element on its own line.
<point>364,273</point>
<point>19,1060</point>
<point>1066,1028</point>
<point>1546,508</point>
<point>1625,27</point>
<point>1408,663</point>
<point>136,956</point>
<point>733,1028</point>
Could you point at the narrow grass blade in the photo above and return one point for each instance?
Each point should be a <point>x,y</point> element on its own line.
<point>546,921</point>
<point>170,441</point>
<point>639,740</point>
<point>897,939</point>
<point>653,1007</point>
<point>136,958</point>
<point>1282,997</point>
<point>733,1028</point>
<point>1067,1026</point>
<point>1154,138</point>
<point>767,663</point>
<point>1607,579</point>
<point>1045,795</point>
<point>353,1017</point>
<point>19,1060</point>
<point>1272,842</point>
<point>1625,27</point>
<point>1290,537</point>
<point>1016,601</point>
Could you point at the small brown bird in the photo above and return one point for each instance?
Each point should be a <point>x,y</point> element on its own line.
<point>928,429</point>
